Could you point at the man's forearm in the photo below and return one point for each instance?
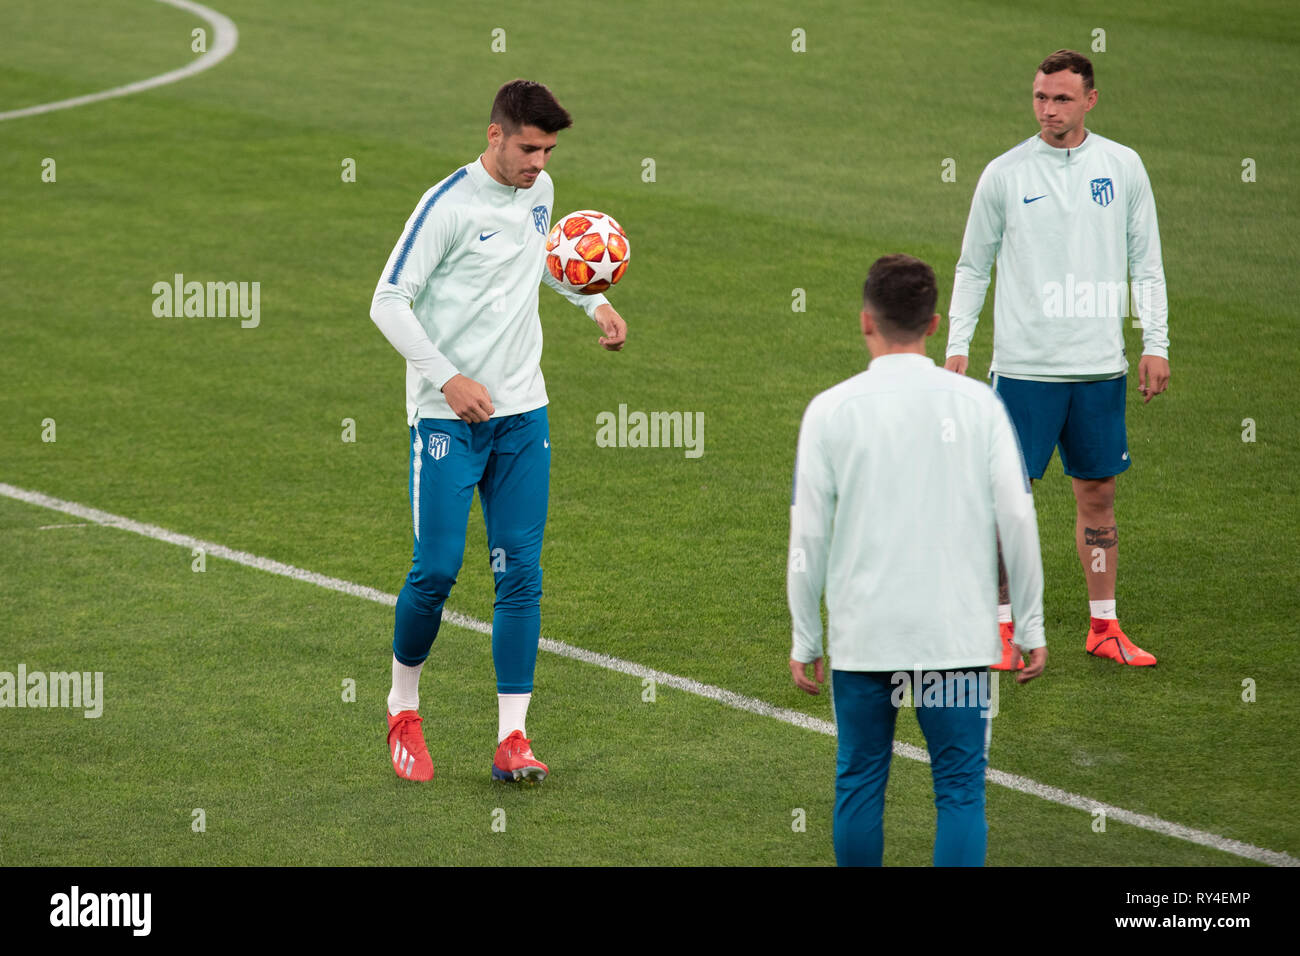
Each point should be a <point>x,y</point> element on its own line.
<point>588,303</point>
<point>395,319</point>
<point>805,582</point>
<point>968,292</point>
<point>1152,308</point>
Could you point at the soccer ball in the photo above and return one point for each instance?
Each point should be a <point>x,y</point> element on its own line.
<point>587,251</point>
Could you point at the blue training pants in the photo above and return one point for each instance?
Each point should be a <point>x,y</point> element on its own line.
<point>509,460</point>
<point>866,707</point>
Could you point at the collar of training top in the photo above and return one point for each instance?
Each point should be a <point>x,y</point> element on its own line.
<point>898,359</point>
<point>1045,147</point>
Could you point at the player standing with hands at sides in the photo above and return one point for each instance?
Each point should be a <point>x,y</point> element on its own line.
<point>904,479</point>
<point>458,300</point>
<point>1068,215</point>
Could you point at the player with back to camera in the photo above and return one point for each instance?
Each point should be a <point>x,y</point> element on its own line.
<point>1068,215</point>
<point>458,300</point>
<point>905,476</point>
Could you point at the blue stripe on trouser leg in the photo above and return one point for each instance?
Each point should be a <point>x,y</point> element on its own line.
<point>514,491</point>
<point>956,736</point>
<point>447,458</point>
<point>864,718</point>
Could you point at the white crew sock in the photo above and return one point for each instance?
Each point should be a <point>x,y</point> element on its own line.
<point>1103,609</point>
<point>405,693</point>
<point>1004,613</point>
<point>512,710</point>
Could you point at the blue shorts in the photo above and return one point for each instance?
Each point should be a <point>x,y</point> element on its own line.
<point>1084,419</point>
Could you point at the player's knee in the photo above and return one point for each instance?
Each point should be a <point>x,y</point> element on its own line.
<point>960,787</point>
<point>1095,495</point>
<point>433,579</point>
<point>519,585</point>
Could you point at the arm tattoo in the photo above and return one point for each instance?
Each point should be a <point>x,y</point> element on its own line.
<point>1101,537</point>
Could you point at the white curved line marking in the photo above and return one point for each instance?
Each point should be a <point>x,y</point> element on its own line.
<point>224,40</point>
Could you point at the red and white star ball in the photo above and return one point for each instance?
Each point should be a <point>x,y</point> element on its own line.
<point>587,251</point>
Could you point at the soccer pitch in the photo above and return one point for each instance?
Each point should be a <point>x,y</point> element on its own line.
<point>760,158</point>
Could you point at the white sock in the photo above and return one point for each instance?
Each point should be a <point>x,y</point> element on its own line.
<point>1004,613</point>
<point>512,710</point>
<point>1103,609</point>
<point>405,693</point>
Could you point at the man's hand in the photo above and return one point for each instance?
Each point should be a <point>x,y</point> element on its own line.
<point>800,674</point>
<point>1034,667</point>
<point>1153,376</point>
<point>468,399</point>
<point>957,364</point>
<point>612,324</point>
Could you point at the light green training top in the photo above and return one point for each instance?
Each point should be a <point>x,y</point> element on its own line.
<point>459,292</point>
<point>1066,227</point>
<point>905,478</point>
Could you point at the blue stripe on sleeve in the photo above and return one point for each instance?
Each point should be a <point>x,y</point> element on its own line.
<point>419,221</point>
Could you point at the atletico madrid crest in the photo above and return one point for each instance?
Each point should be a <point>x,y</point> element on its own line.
<point>1103,191</point>
<point>540,218</point>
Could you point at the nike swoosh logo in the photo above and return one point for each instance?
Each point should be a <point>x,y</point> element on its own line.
<point>546,443</point>
<point>1035,199</point>
<point>484,236</point>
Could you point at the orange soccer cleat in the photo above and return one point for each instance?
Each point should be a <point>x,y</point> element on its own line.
<point>411,758</point>
<point>1011,658</point>
<point>1105,639</point>
<point>515,761</point>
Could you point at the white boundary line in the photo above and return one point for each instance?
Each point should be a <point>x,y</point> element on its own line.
<point>720,695</point>
<point>225,37</point>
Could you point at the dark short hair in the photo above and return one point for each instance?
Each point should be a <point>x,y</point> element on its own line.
<point>1070,60</point>
<point>901,293</point>
<point>525,103</point>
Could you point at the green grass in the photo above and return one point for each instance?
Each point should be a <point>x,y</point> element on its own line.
<point>205,709</point>
<point>775,171</point>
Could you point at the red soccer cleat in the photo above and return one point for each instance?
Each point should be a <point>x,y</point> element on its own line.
<point>515,761</point>
<point>1011,657</point>
<point>1105,639</point>
<point>411,758</point>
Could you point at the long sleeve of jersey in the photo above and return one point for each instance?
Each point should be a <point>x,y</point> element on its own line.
<point>979,250</point>
<point>812,509</point>
<point>1146,267</point>
<point>588,303</point>
<point>424,241</point>
<point>1017,524</point>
